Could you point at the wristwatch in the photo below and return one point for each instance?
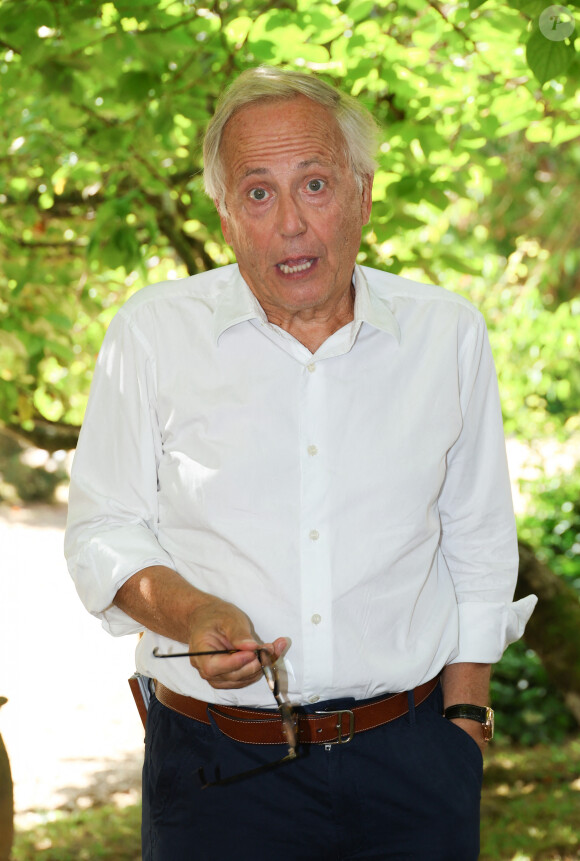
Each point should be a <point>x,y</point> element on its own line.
<point>481,714</point>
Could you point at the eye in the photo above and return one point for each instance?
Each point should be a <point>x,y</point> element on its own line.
<point>258,194</point>
<point>315,185</point>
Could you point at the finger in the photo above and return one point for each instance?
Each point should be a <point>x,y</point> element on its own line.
<point>241,667</point>
<point>234,680</point>
<point>230,682</point>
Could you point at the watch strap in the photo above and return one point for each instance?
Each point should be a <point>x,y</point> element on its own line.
<point>467,712</point>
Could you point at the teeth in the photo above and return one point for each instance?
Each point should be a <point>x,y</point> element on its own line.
<point>290,270</point>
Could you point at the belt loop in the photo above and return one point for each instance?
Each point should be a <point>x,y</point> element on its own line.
<point>411,700</point>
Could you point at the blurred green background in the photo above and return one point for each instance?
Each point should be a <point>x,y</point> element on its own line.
<point>102,112</point>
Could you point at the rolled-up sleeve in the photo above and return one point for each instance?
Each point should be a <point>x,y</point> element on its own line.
<point>479,540</point>
<point>112,522</point>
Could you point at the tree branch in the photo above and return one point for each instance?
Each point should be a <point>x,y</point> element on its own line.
<point>8,47</point>
<point>23,243</point>
<point>467,39</point>
<point>191,251</point>
<point>47,435</point>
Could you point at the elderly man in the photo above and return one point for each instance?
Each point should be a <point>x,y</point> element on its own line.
<point>295,466</point>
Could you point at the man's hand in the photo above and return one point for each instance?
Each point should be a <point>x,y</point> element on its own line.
<point>473,729</point>
<point>164,602</point>
<point>217,625</point>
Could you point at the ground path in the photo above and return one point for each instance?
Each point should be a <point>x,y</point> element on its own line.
<point>71,728</point>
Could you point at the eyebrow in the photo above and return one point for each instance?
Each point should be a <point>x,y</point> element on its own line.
<point>262,171</point>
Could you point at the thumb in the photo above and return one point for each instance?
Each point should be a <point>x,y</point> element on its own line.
<point>280,646</point>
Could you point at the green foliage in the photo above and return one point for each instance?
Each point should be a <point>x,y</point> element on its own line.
<point>528,709</point>
<point>104,107</point>
<point>552,526</point>
<point>548,59</point>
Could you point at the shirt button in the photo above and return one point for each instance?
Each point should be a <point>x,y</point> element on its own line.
<point>311,367</point>
<point>316,619</point>
<point>313,699</point>
<point>312,450</point>
<point>314,535</point>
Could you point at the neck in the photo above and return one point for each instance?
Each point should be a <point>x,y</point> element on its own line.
<point>313,326</point>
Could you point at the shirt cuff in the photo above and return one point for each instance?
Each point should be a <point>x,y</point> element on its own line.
<point>117,623</point>
<point>108,560</point>
<point>486,630</point>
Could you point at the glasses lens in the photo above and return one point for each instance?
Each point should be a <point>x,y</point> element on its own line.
<point>288,717</point>
<point>289,727</point>
<point>270,671</point>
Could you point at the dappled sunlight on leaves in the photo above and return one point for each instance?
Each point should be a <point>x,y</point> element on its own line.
<point>104,114</point>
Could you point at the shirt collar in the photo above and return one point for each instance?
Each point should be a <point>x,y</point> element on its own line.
<point>237,304</point>
<point>372,308</point>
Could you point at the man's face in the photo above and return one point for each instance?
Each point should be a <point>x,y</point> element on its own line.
<point>294,213</point>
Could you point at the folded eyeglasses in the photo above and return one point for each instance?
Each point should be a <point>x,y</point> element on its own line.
<point>289,722</point>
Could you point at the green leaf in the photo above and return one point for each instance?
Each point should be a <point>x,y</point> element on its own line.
<point>136,85</point>
<point>59,76</point>
<point>407,222</point>
<point>110,139</point>
<point>546,58</point>
<point>237,30</point>
<point>459,264</point>
<point>531,8</point>
<point>10,19</point>
<point>63,352</point>
<point>359,10</point>
<point>60,321</point>
<point>262,50</point>
<point>565,132</point>
<point>539,132</point>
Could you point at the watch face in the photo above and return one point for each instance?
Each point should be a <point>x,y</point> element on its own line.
<point>489,725</point>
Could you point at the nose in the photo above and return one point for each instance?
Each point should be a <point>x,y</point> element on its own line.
<point>291,220</point>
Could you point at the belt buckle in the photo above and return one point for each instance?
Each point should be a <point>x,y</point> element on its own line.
<point>340,712</point>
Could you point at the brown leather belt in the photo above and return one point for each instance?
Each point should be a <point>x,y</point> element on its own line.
<point>265,727</point>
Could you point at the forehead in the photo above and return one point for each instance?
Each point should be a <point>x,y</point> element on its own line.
<point>280,135</point>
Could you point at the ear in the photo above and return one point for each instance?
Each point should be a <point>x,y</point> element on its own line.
<point>367,197</point>
<point>224,223</point>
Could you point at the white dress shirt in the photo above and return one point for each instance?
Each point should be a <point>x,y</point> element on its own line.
<point>355,500</point>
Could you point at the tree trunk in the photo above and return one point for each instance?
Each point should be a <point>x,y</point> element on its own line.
<point>553,631</point>
<point>6,802</point>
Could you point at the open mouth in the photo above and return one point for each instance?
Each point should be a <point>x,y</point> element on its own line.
<point>291,267</point>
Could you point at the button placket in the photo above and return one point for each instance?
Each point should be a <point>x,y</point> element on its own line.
<point>315,550</point>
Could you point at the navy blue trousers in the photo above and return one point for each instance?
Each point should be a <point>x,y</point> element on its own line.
<point>407,791</point>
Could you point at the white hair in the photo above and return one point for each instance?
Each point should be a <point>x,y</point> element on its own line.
<point>266,83</point>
